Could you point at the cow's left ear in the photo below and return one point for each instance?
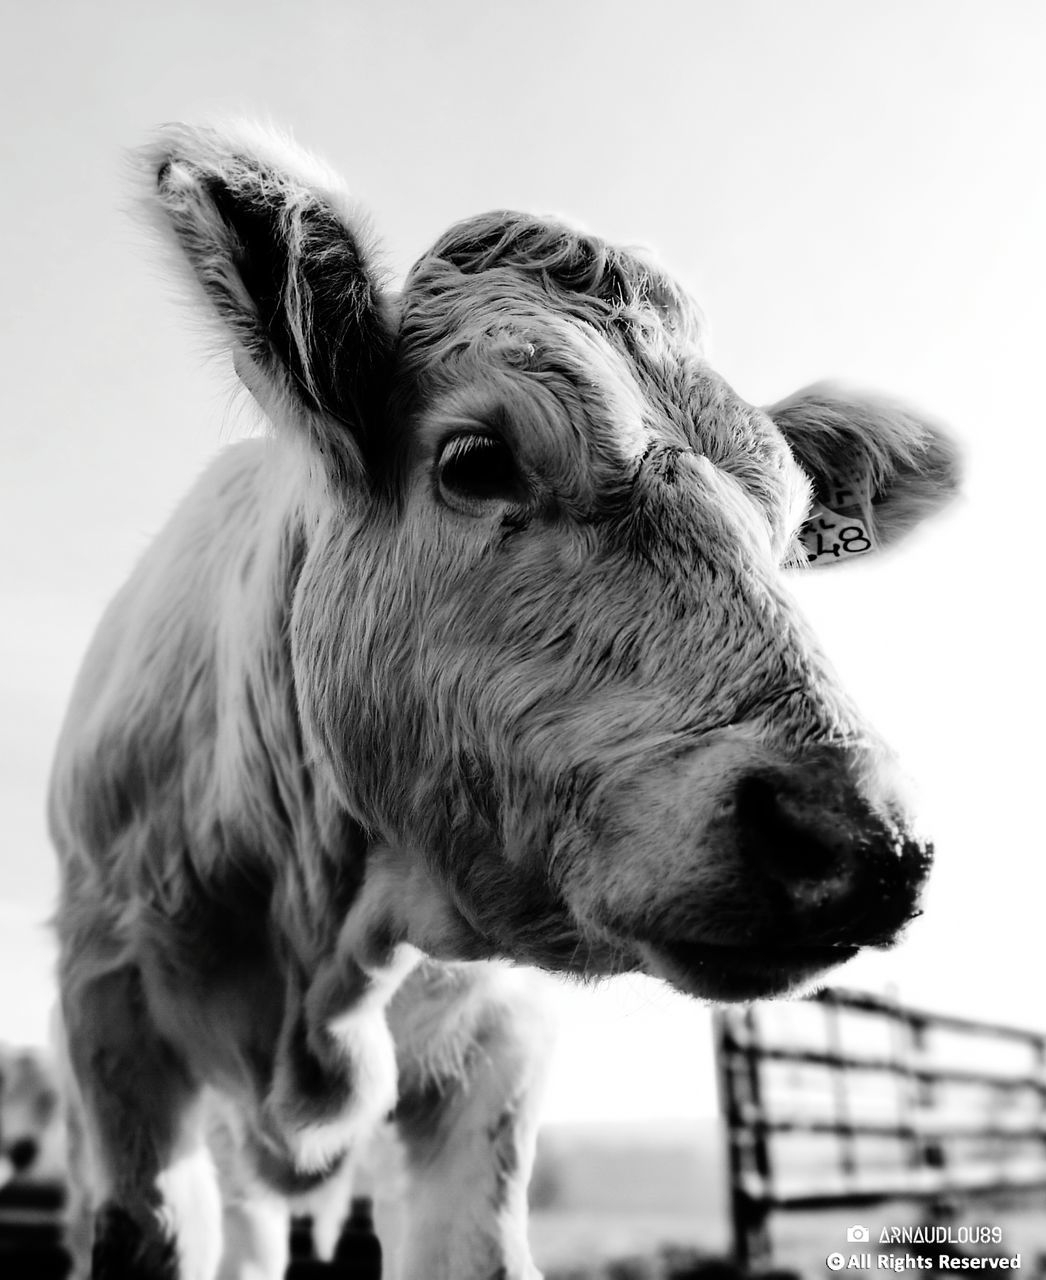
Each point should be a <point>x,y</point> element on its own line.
<point>878,468</point>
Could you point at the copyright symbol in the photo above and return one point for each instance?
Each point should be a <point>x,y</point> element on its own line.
<point>835,1261</point>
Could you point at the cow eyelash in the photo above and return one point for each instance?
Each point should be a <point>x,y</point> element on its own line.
<point>475,470</point>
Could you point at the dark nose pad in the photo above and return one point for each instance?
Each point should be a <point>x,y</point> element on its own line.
<point>785,845</point>
<point>841,870</point>
<point>22,1153</point>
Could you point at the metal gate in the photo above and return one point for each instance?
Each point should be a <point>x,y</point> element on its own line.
<point>849,1099</point>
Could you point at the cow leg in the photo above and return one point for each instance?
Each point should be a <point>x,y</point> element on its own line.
<point>472,1041</point>
<point>256,1237</point>
<point>80,1176</point>
<point>158,1212</point>
<point>255,1216</point>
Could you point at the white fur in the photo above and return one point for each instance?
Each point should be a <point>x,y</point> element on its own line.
<point>192,1213</point>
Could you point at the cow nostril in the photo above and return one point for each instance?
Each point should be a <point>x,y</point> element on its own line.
<point>22,1153</point>
<point>784,846</point>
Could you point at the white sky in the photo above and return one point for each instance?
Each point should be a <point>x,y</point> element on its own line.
<point>849,189</point>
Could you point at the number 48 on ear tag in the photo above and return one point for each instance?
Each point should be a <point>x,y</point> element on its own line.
<point>839,528</point>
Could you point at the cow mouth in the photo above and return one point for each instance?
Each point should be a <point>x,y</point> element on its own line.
<point>741,972</point>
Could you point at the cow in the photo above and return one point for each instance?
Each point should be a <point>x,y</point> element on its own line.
<point>30,1123</point>
<point>484,656</point>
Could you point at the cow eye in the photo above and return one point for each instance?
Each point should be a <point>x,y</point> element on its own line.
<point>475,470</point>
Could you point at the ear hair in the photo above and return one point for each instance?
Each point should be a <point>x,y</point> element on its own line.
<point>282,256</point>
<point>908,464</point>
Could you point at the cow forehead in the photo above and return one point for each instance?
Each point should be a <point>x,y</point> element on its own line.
<point>556,385</point>
<point>594,391</point>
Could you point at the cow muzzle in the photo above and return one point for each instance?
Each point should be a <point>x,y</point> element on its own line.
<point>800,863</point>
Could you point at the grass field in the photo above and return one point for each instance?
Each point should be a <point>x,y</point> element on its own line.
<point>607,1193</point>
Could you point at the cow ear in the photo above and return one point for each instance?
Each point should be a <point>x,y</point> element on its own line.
<point>281,256</point>
<point>878,468</point>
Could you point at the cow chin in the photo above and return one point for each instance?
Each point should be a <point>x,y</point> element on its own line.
<point>729,974</point>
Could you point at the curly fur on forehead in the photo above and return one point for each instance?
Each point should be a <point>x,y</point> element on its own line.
<point>608,286</point>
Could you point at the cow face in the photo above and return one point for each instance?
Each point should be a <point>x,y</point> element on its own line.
<point>542,643</point>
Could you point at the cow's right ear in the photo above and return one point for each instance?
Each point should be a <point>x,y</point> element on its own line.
<point>281,256</point>
<point>878,468</point>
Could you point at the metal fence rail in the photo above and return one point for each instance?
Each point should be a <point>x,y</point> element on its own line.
<point>850,1099</point>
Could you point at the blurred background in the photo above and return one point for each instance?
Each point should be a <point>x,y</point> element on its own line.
<point>854,190</point>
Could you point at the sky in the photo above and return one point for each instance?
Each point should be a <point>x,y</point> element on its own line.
<point>854,190</point>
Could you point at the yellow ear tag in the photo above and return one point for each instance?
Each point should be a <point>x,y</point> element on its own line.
<point>839,528</point>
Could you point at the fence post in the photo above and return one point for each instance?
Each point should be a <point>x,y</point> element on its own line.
<point>740,1104</point>
<point>843,1123</point>
<point>1039,1050</point>
<point>907,1084</point>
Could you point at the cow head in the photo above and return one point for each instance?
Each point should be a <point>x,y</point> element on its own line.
<point>542,643</point>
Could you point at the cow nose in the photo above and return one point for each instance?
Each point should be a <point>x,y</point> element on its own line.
<point>842,868</point>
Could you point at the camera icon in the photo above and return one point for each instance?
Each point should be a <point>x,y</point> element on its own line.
<point>857,1235</point>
